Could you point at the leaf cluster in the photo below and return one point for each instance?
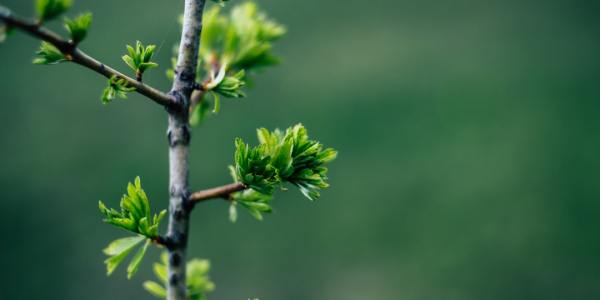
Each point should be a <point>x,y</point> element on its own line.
<point>117,87</point>
<point>48,55</point>
<point>280,157</point>
<point>78,27</point>
<point>139,58</point>
<point>197,280</point>
<point>135,215</point>
<point>49,9</point>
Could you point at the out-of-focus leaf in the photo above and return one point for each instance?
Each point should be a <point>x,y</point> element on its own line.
<point>78,27</point>
<point>48,55</point>
<point>50,9</point>
<point>134,265</point>
<point>155,289</point>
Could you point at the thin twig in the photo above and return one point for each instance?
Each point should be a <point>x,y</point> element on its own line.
<point>72,53</point>
<point>217,192</point>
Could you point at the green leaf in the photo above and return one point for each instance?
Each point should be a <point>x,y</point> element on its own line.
<point>160,271</point>
<point>198,283</point>
<point>217,103</point>
<point>250,45</point>
<point>78,27</point>
<point>138,57</point>
<point>117,87</point>
<point>231,86</point>
<point>48,55</point>
<point>134,265</point>
<point>129,61</point>
<point>256,214</point>
<point>155,289</point>
<point>135,214</point>
<point>50,9</point>
<point>118,246</point>
<point>118,250</point>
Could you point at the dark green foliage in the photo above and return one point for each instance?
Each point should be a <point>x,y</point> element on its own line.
<point>290,157</point>
<point>139,58</point>
<point>135,215</point>
<point>50,9</point>
<point>48,55</point>
<point>198,283</point>
<point>117,87</point>
<point>78,27</point>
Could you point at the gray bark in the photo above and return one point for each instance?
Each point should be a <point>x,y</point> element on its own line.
<point>179,137</point>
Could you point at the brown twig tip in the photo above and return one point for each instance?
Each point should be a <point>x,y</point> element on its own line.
<point>218,192</point>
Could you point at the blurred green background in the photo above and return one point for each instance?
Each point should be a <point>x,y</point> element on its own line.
<point>468,132</point>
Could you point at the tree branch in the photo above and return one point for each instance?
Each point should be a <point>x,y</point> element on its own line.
<point>72,53</point>
<point>218,192</point>
<point>179,138</point>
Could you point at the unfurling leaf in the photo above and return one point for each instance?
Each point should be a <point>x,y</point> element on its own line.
<point>134,265</point>
<point>231,86</point>
<point>78,27</point>
<point>135,214</point>
<point>139,58</point>
<point>48,55</point>
<point>117,87</point>
<point>50,9</point>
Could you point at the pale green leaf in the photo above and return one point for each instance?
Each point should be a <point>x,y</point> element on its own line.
<point>155,289</point>
<point>134,265</point>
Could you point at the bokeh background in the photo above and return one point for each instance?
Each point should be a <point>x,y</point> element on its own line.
<point>468,133</point>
